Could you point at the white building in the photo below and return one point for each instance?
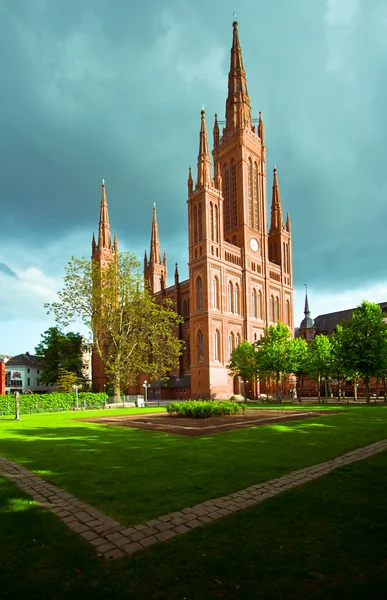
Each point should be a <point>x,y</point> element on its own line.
<point>22,373</point>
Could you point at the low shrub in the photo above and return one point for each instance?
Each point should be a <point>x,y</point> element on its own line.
<point>203,409</point>
<point>56,402</point>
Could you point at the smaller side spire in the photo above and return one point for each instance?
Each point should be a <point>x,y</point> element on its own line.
<point>288,224</point>
<point>115,242</point>
<point>165,258</point>
<point>93,244</point>
<point>276,224</point>
<point>218,178</point>
<point>154,256</point>
<point>204,160</point>
<point>104,239</point>
<point>216,132</point>
<point>176,275</point>
<point>261,128</point>
<point>145,260</point>
<point>190,183</point>
<point>307,322</point>
<point>306,309</point>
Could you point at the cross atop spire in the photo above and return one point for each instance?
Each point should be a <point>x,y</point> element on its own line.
<point>204,160</point>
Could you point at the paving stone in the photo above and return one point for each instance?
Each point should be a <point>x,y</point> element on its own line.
<point>69,519</point>
<point>122,541</point>
<point>128,531</point>
<point>63,513</point>
<point>84,517</point>
<point>113,536</point>
<point>98,541</point>
<point>89,535</point>
<point>136,537</point>
<point>166,518</point>
<point>139,527</point>
<point>186,510</point>
<point>178,521</point>
<point>148,541</point>
<point>163,536</point>
<point>78,527</point>
<point>165,526</point>
<point>153,523</point>
<point>132,548</point>
<point>105,547</point>
<point>95,523</point>
<point>181,529</point>
<point>205,519</point>
<point>113,554</point>
<point>215,515</point>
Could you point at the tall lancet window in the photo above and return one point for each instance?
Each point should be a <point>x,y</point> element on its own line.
<point>216,226</point>
<point>195,220</point>
<point>287,312</point>
<point>200,346</point>
<point>234,206</point>
<point>236,299</point>
<point>211,223</point>
<point>215,293</point>
<point>256,197</point>
<point>230,343</point>
<point>237,340</point>
<point>254,304</point>
<point>250,191</point>
<point>277,310</point>
<point>216,345</point>
<point>229,296</point>
<point>259,304</point>
<point>199,293</point>
<point>226,196</point>
<point>272,309</point>
<point>200,223</point>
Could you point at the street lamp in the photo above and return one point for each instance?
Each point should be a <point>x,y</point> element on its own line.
<point>146,385</point>
<point>75,389</point>
<point>17,406</point>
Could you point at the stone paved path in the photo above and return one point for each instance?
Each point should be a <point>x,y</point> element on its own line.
<point>114,540</point>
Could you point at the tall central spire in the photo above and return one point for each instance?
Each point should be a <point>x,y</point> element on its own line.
<point>155,255</point>
<point>104,238</point>
<point>238,112</point>
<point>204,160</point>
<point>276,225</point>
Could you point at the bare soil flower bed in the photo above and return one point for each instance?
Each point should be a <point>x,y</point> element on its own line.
<point>196,427</point>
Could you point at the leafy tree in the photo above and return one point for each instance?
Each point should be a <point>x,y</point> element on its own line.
<point>67,379</point>
<point>320,361</point>
<point>363,340</point>
<point>299,355</point>
<point>58,349</point>
<point>130,332</point>
<point>273,354</point>
<point>243,363</point>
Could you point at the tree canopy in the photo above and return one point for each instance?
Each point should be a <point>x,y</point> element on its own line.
<point>60,350</point>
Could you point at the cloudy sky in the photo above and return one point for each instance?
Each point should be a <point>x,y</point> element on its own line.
<point>98,89</point>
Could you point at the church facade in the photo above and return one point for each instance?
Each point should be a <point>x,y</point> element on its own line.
<point>240,270</point>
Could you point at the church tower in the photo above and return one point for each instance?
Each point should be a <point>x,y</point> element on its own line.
<point>155,269</point>
<point>240,275</point>
<point>102,253</point>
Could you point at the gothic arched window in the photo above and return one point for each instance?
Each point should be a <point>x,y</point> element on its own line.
<point>259,304</point>
<point>226,197</point>
<point>256,195</point>
<point>216,345</point>
<point>230,343</point>
<point>229,296</point>
<point>254,304</point>
<point>200,346</point>
<point>250,191</point>
<point>287,312</point>
<point>277,310</point>
<point>236,299</point>
<point>237,340</point>
<point>215,293</point>
<point>211,223</point>
<point>200,222</point>
<point>216,234</point>
<point>272,309</point>
<point>234,206</point>
<point>195,220</point>
<point>199,293</point>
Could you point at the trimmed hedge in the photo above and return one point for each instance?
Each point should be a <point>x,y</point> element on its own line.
<point>203,409</point>
<point>56,402</point>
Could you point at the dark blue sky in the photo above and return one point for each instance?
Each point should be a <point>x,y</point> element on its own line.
<point>100,88</point>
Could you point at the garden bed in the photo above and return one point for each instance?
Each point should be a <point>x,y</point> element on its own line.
<point>197,427</point>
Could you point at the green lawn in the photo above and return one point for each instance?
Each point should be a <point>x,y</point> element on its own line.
<point>324,540</point>
<point>136,475</point>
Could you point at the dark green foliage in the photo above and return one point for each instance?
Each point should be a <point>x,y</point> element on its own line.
<point>202,409</point>
<point>37,403</point>
<point>60,350</point>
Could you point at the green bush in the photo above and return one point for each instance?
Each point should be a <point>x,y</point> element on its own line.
<point>203,409</point>
<point>56,402</point>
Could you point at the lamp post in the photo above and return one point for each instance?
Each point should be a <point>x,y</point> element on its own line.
<point>17,406</point>
<point>75,389</point>
<point>104,391</point>
<point>146,385</point>
<point>244,389</point>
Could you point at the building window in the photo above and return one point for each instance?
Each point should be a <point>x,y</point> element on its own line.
<point>254,304</point>
<point>226,197</point>
<point>215,293</point>
<point>200,346</point>
<point>230,344</point>
<point>211,221</point>
<point>237,340</point>
<point>236,299</point>
<point>260,304</point>
<point>250,191</point>
<point>234,206</point>
<point>287,312</point>
<point>272,309</point>
<point>200,224</point>
<point>29,381</point>
<point>28,370</point>
<point>195,220</point>
<point>256,205</point>
<point>199,293</point>
<point>216,345</point>
<point>277,310</point>
<point>216,236</point>
<point>229,296</point>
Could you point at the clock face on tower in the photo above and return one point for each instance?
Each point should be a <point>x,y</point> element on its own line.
<point>254,244</point>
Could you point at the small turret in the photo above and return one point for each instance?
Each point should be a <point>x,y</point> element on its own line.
<point>261,129</point>
<point>176,275</point>
<point>276,224</point>
<point>190,183</point>
<point>288,224</point>
<point>204,160</point>
<point>216,132</point>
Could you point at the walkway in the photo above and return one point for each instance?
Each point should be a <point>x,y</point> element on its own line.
<point>114,540</point>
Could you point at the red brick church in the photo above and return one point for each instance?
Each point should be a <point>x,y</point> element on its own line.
<point>240,271</point>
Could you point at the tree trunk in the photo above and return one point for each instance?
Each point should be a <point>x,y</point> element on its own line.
<point>298,388</point>
<point>384,390</point>
<point>117,392</point>
<point>318,388</point>
<point>326,390</point>
<point>278,384</point>
<point>355,390</point>
<point>367,389</point>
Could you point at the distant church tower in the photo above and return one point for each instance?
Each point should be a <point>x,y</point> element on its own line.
<point>240,274</point>
<point>155,269</point>
<point>101,253</point>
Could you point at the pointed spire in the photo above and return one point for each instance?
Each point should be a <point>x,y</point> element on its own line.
<point>218,178</point>
<point>216,132</point>
<point>288,224</point>
<point>104,239</point>
<point>190,183</point>
<point>165,258</point>
<point>176,275</point>
<point>276,209</point>
<point>238,112</point>
<point>145,260</point>
<point>154,256</point>
<point>93,244</point>
<point>115,242</point>
<point>204,160</point>
<point>261,128</point>
<point>307,322</point>
<point>306,309</point>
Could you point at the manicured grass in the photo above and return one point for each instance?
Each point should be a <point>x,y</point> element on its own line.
<point>136,475</point>
<point>324,540</point>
